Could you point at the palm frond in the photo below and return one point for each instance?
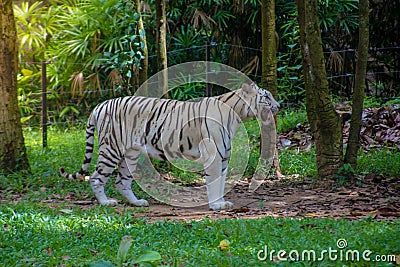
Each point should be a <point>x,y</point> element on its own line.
<point>77,84</point>
<point>335,62</point>
<point>201,18</point>
<point>115,78</point>
<point>252,66</point>
<point>94,82</point>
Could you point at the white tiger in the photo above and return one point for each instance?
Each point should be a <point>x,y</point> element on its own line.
<point>166,129</point>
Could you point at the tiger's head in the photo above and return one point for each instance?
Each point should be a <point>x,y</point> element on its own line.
<point>259,100</point>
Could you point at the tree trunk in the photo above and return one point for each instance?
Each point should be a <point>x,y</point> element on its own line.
<point>161,37</point>
<point>268,60</point>
<point>353,144</point>
<point>145,62</point>
<point>12,148</point>
<point>325,123</point>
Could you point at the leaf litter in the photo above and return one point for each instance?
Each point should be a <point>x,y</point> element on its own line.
<point>380,128</point>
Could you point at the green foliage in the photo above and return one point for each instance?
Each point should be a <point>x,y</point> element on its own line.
<point>28,93</point>
<point>375,102</point>
<point>290,118</point>
<point>290,86</point>
<point>95,48</point>
<point>148,258</point>
<point>36,23</point>
<point>123,50</point>
<point>339,20</point>
<point>302,164</point>
<point>188,37</point>
<point>344,174</point>
<point>289,72</point>
<point>68,109</point>
<point>380,161</point>
<point>92,45</point>
<point>223,22</point>
<point>33,235</point>
<point>98,31</point>
<point>188,90</point>
<point>392,102</point>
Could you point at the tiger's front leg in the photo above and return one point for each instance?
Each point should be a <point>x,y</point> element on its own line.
<point>215,176</point>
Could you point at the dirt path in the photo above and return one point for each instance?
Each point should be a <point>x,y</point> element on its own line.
<point>373,196</point>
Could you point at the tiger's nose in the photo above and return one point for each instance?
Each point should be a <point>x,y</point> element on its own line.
<point>275,109</point>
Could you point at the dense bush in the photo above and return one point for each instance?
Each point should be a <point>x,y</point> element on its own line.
<point>94,48</point>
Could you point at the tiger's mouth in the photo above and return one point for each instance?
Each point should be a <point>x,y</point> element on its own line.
<point>274,110</point>
<point>266,112</point>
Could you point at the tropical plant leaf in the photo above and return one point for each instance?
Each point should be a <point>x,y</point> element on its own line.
<point>102,264</point>
<point>123,249</point>
<point>149,257</point>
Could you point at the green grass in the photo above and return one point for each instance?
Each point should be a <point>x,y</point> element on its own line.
<point>36,235</point>
<point>374,102</point>
<point>288,119</point>
<point>384,162</point>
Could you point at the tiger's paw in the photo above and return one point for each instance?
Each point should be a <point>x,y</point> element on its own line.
<point>140,203</point>
<point>109,202</point>
<point>221,205</point>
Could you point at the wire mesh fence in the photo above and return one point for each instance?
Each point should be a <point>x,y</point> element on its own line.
<point>383,79</point>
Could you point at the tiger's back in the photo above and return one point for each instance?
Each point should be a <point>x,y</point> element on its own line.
<point>163,128</point>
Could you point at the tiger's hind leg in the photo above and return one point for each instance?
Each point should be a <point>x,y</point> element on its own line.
<point>124,179</point>
<point>98,181</point>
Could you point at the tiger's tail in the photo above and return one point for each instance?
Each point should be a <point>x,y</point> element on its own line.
<point>80,175</point>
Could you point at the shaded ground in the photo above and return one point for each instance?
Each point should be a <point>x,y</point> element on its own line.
<point>373,196</point>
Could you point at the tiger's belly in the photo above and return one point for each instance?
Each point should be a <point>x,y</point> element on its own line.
<point>169,153</point>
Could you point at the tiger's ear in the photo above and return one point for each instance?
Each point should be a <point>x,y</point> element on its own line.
<point>249,89</point>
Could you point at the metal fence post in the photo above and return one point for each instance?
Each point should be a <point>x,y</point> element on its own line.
<point>44,104</point>
<point>208,56</point>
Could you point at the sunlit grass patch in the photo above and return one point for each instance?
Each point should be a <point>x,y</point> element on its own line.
<point>35,235</point>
